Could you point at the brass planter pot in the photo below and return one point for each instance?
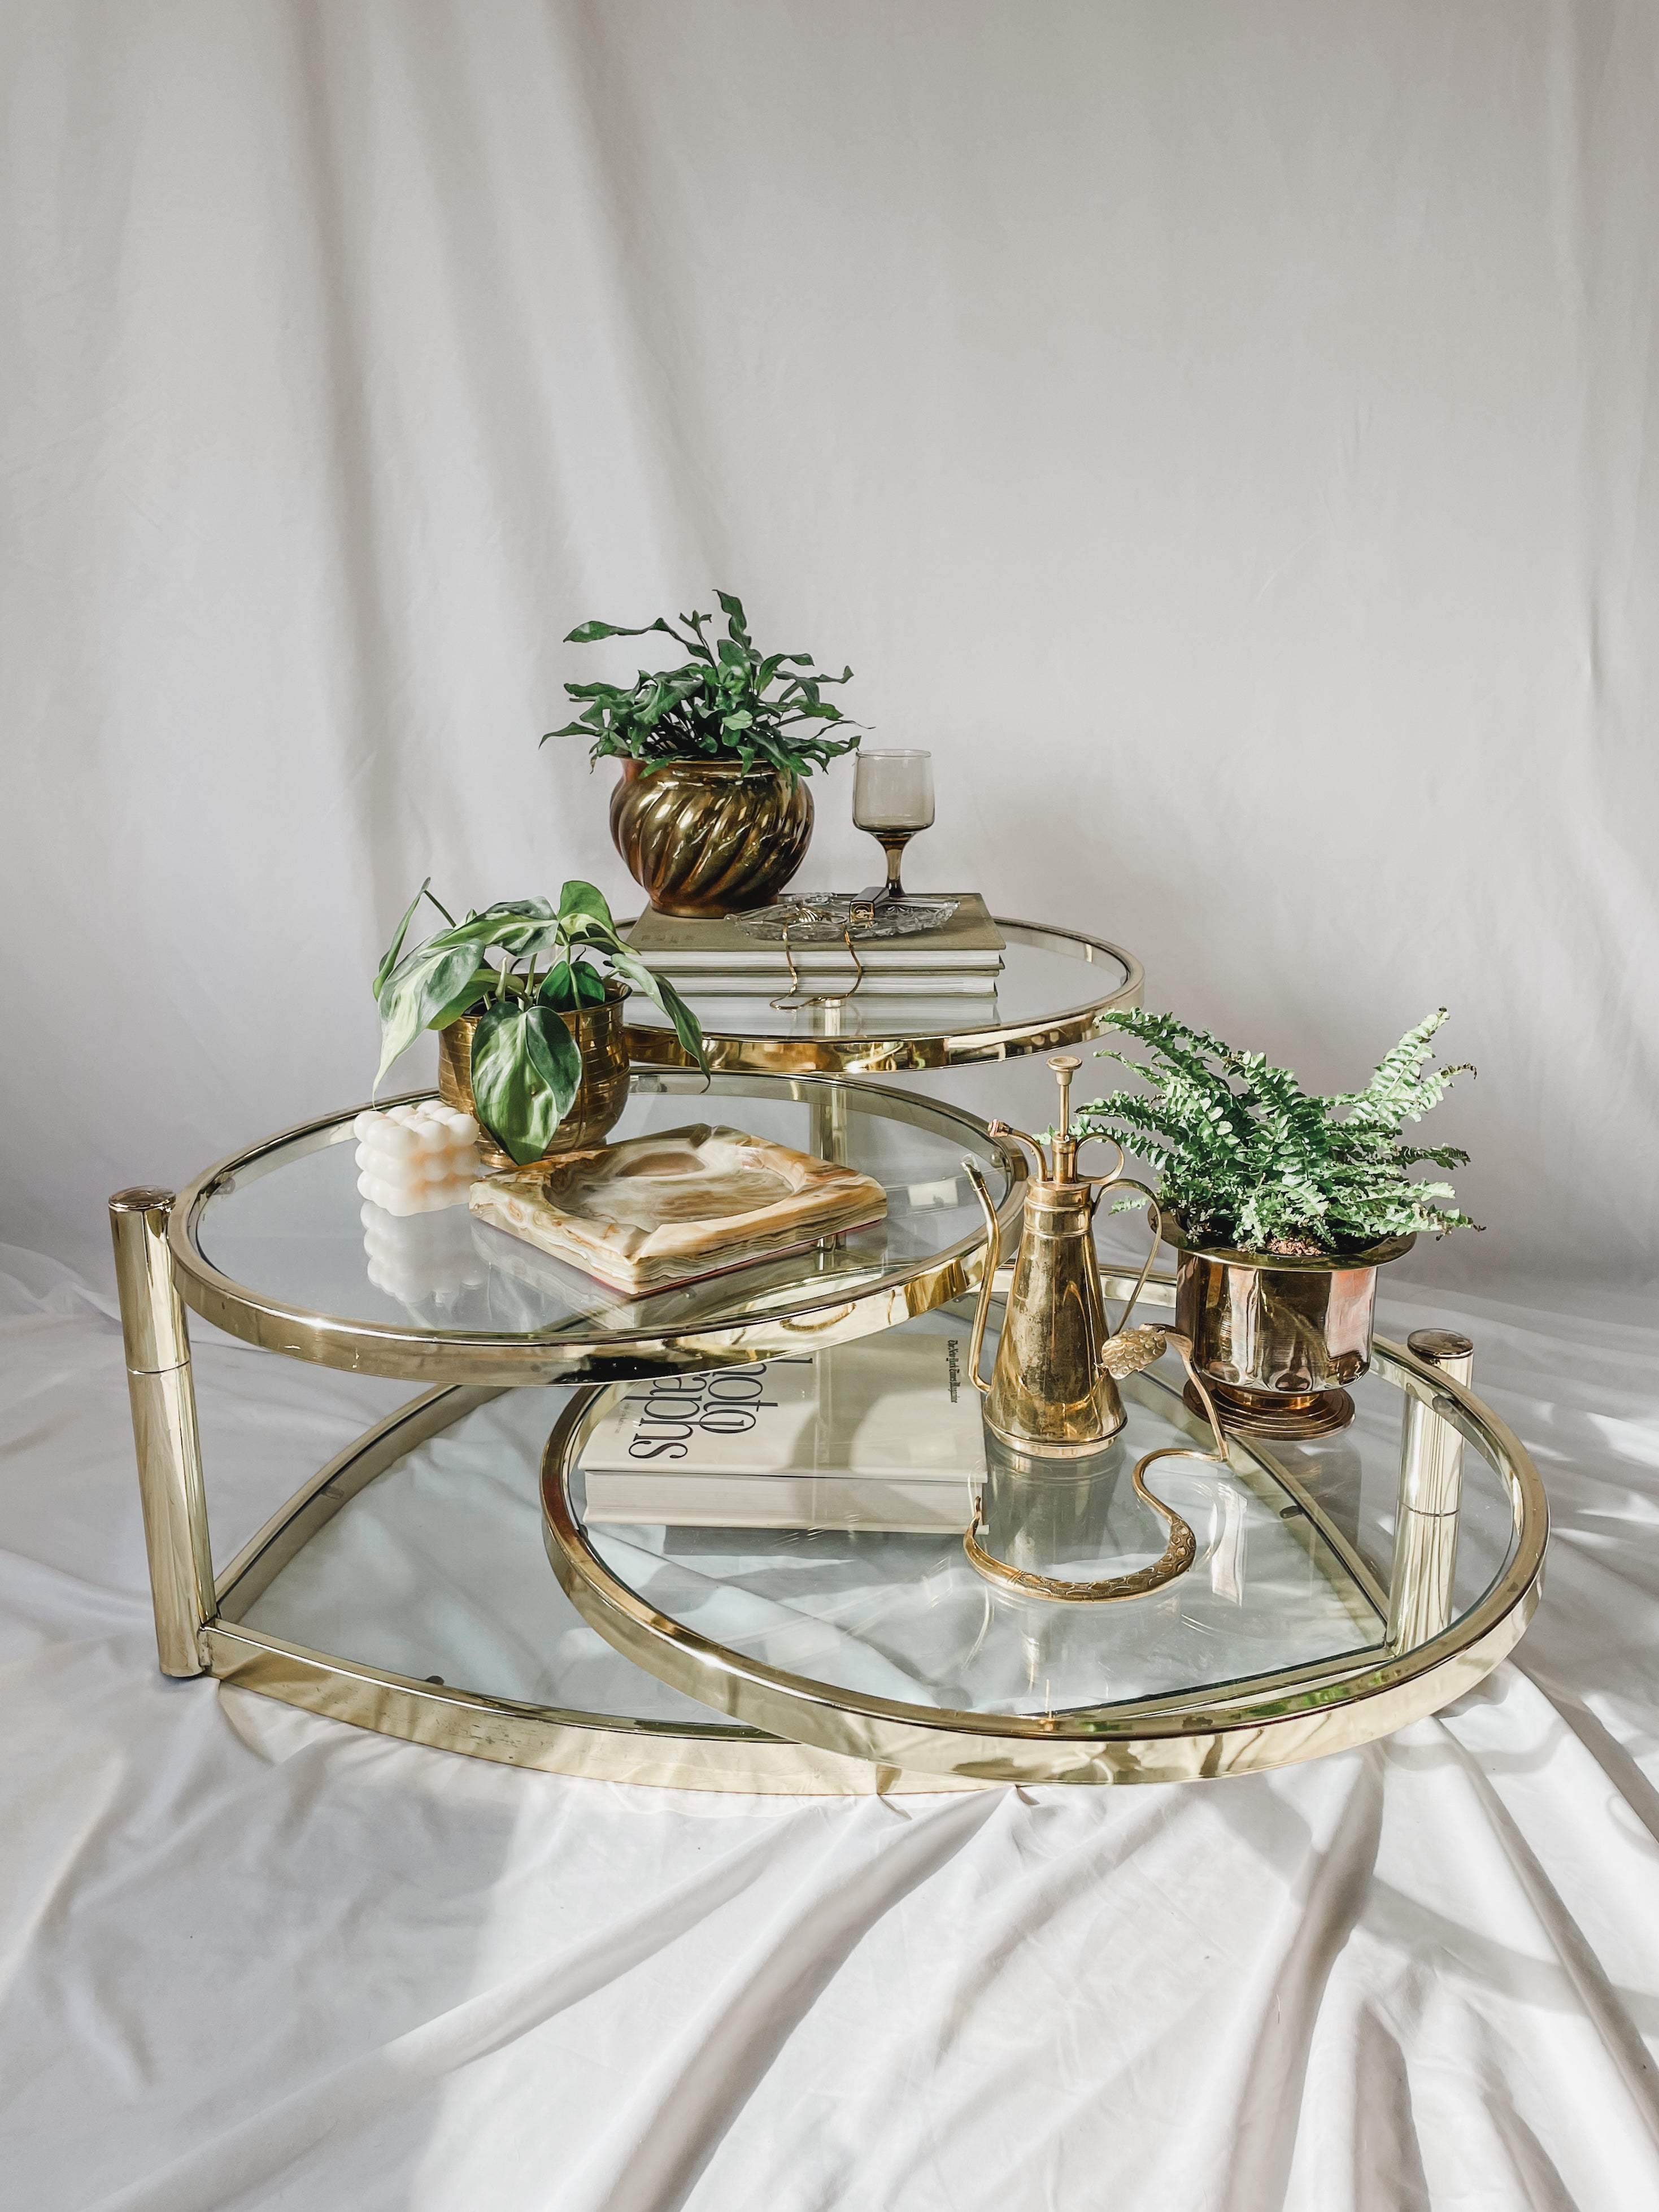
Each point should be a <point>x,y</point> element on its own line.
<point>1275,1338</point>
<point>704,838</point>
<point>601,1038</point>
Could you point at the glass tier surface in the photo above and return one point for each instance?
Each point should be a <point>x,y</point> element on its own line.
<point>435,1570</point>
<point>284,1226</point>
<point>1054,985</point>
<point>1290,1582</point>
<point>425,1565</point>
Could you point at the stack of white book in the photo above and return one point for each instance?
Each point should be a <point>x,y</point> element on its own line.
<point>961,958</point>
<point>884,1434</point>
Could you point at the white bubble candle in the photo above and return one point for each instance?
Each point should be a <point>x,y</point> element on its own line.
<point>415,1159</point>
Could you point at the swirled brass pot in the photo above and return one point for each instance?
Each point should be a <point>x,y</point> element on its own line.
<point>602,1040</point>
<point>703,838</point>
<point>1276,1340</point>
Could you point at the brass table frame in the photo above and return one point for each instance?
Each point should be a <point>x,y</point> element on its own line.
<point>160,1269</point>
<point>832,1053</point>
<point>1274,1719</point>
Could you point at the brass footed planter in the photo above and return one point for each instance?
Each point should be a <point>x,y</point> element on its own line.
<point>601,1038</point>
<point>704,838</point>
<point>1275,1338</point>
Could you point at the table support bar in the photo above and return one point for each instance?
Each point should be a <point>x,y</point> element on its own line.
<point>164,1433</point>
<point>1430,1493</point>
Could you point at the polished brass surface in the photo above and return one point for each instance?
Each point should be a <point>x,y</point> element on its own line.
<point>1053,1392</point>
<point>848,1306</point>
<point>1430,1493</point>
<point>163,1401</point>
<point>831,1049</point>
<point>703,838</point>
<point>1276,1340</point>
<point>601,1035</point>
<point>1294,1417</point>
<point>1273,1720</point>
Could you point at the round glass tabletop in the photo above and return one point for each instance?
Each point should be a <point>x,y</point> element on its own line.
<point>884,1644</point>
<point>1054,987</point>
<point>275,1245</point>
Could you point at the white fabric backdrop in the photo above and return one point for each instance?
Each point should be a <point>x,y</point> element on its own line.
<point>1225,434</point>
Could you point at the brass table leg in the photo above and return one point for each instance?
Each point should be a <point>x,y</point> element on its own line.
<point>828,1137</point>
<point>164,1429</point>
<point>1430,1491</point>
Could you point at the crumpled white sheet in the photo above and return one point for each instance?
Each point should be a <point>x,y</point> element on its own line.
<point>248,1958</point>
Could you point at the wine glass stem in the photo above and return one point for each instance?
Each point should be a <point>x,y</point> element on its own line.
<point>894,848</point>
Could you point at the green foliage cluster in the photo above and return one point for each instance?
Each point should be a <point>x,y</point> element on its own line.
<point>526,1066</point>
<point>1247,1159</point>
<point>728,703</point>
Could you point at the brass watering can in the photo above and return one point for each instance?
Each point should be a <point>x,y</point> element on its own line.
<point>1052,1393</point>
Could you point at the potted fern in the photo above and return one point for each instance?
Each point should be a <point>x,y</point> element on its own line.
<point>712,813</point>
<point>531,1042</point>
<point>1282,1206</point>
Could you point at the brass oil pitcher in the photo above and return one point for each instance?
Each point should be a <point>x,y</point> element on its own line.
<point>1052,1393</point>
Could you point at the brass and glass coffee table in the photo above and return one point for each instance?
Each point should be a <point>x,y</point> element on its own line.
<point>406,1587</point>
<point>1055,988</point>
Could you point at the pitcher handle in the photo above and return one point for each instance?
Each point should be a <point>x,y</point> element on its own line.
<point>992,1260</point>
<point>1119,1181</point>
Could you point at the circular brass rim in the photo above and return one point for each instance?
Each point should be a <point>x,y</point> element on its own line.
<point>730,1051</point>
<point>408,1353</point>
<point>1273,1263</point>
<point>1247,1728</point>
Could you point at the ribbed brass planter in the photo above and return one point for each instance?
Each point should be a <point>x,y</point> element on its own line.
<point>1275,1338</point>
<point>602,1040</point>
<point>703,838</point>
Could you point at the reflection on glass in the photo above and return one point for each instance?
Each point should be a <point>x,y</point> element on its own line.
<point>905,1617</point>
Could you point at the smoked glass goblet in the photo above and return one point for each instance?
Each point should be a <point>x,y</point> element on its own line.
<point>892,799</point>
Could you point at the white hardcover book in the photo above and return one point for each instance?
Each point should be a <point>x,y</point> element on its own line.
<point>758,983</point>
<point>880,956</point>
<point>883,1435</point>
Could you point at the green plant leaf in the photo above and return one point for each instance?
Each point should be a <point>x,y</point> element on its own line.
<point>590,633</point>
<point>687,1028</point>
<point>420,988</point>
<point>526,1070</point>
<point>568,985</point>
<point>394,952</point>
<point>585,902</point>
<point>554,1056</point>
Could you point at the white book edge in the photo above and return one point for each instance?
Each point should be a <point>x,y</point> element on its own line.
<point>941,1505</point>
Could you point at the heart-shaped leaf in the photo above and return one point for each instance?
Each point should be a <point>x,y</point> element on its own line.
<point>526,1070</point>
<point>421,988</point>
<point>585,902</point>
<point>567,986</point>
